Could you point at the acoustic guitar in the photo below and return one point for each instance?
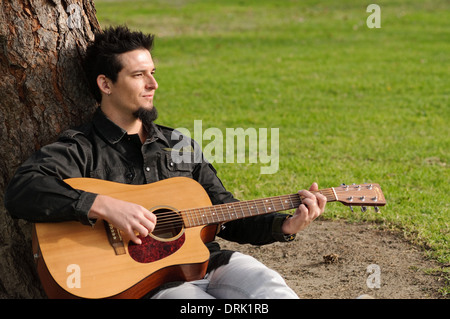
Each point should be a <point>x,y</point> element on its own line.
<point>78,261</point>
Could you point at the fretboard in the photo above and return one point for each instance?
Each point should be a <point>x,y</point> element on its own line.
<point>243,209</point>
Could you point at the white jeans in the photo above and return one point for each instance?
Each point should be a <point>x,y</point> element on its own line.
<point>243,277</point>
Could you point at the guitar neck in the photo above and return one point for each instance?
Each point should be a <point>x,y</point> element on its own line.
<point>243,209</point>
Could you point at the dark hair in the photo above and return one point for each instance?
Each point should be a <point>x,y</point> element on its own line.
<point>102,54</point>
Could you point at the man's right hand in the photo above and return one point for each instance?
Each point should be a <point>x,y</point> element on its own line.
<point>128,217</point>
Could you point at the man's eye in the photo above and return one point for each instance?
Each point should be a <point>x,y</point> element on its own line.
<point>138,74</point>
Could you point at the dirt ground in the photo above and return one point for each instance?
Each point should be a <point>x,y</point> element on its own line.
<point>330,260</point>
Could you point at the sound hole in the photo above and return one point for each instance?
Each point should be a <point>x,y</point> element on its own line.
<point>169,224</point>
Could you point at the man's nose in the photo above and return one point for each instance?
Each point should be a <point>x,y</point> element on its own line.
<point>152,83</point>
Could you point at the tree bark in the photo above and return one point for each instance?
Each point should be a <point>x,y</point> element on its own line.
<point>42,93</point>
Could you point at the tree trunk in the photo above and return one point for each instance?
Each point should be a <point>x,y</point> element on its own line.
<point>42,93</point>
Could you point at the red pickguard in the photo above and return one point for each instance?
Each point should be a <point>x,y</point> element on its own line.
<point>152,249</point>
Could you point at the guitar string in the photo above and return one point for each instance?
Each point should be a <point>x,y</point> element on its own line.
<point>227,206</point>
<point>330,197</point>
<point>170,225</point>
<point>172,219</point>
<point>198,213</point>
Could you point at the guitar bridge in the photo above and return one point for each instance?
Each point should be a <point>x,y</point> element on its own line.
<point>115,239</point>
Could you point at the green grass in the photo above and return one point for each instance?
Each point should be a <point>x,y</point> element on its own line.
<point>352,104</point>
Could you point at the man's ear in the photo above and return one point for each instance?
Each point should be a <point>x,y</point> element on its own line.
<point>104,84</point>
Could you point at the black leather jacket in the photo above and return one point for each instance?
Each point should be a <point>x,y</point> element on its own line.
<point>100,149</point>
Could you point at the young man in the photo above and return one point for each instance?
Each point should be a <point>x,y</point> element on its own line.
<point>123,144</point>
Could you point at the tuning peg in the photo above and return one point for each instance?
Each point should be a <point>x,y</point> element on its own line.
<point>376,208</point>
<point>363,209</point>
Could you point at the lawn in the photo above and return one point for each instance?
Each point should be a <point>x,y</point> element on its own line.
<point>352,104</point>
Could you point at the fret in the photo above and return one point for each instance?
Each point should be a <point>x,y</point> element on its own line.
<point>275,201</point>
<point>213,214</point>
<point>271,208</point>
<point>254,207</point>
<point>229,213</point>
<point>192,218</point>
<point>239,211</point>
<point>196,218</point>
<point>236,210</point>
<point>281,202</point>
<point>248,211</point>
<point>264,206</point>
<point>209,215</point>
<point>284,203</point>
<point>222,212</point>
<point>218,213</point>
<point>295,200</point>
<point>329,193</point>
<point>334,194</point>
<point>202,216</point>
<point>290,200</point>
<point>189,222</point>
<point>260,205</point>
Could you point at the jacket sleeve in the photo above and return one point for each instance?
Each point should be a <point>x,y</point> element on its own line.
<point>257,230</point>
<point>37,192</point>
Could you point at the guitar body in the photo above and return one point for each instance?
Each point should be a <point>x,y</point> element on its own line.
<point>78,261</point>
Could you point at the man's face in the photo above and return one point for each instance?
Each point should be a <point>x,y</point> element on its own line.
<point>135,86</point>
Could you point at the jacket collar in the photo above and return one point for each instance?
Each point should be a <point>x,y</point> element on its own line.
<point>113,133</point>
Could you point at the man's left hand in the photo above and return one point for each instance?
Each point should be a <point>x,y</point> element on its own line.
<point>313,205</point>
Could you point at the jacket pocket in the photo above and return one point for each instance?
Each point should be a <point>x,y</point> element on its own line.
<point>177,169</point>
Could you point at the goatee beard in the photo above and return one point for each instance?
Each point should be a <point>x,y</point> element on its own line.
<point>147,116</point>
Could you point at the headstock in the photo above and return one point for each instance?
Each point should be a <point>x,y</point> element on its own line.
<point>364,195</point>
